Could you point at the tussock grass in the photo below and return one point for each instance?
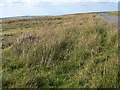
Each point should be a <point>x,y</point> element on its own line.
<point>66,52</point>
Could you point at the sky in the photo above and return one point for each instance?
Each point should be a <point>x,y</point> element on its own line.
<point>11,8</point>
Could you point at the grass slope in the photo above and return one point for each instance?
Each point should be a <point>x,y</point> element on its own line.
<point>59,52</point>
<point>114,13</point>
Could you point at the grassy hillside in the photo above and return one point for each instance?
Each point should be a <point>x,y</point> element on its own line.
<point>68,51</point>
<point>114,13</point>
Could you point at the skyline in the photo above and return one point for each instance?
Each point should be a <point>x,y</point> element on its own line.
<point>13,9</point>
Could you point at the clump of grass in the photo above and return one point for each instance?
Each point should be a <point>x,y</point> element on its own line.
<point>69,55</point>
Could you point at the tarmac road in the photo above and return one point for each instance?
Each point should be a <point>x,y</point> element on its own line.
<point>109,18</point>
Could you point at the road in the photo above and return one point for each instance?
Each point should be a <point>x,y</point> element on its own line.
<point>109,18</point>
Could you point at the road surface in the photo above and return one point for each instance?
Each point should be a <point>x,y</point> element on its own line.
<point>109,18</point>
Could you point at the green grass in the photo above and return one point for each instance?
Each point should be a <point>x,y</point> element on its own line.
<point>74,51</point>
<point>114,13</point>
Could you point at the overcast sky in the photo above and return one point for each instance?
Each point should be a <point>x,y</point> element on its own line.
<point>11,8</point>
